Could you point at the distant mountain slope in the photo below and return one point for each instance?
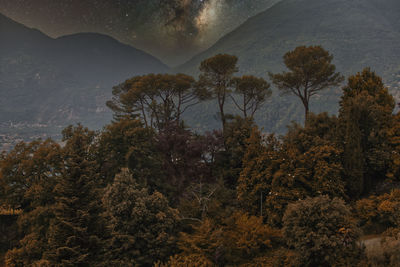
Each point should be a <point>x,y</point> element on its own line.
<point>358,33</point>
<point>56,82</point>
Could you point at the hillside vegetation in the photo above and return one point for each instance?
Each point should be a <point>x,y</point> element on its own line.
<point>149,191</point>
<point>46,84</point>
<point>359,33</point>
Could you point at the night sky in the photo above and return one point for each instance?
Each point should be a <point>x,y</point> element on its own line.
<point>172,30</point>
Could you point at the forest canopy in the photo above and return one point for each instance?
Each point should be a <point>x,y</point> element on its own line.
<point>147,190</point>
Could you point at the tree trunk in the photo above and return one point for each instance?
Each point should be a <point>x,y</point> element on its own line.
<point>306,111</point>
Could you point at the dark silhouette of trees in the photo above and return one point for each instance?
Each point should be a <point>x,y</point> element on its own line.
<point>310,71</point>
<point>158,99</point>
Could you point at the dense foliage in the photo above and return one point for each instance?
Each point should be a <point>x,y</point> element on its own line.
<point>149,191</point>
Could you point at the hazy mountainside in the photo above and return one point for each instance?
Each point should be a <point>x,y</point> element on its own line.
<point>56,82</point>
<point>359,33</point>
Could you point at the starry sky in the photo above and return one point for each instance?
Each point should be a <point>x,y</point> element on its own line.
<point>172,30</point>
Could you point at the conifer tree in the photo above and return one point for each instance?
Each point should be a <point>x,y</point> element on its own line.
<point>143,227</point>
<point>365,118</point>
<point>75,234</point>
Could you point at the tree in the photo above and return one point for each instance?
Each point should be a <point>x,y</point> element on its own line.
<point>365,120</point>
<point>322,232</point>
<point>304,164</point>
<point>241,239</point>
<point>181,154</point>
<point>118,146</point>
<point>393,172</point>
<point>215,80</point>
<point>75,233</point>
<point>29,173</point>
<point>26,170</point>
<point>253,92</point>
<point>229,163</point>
<point>158,99</point>
<point>143,226</point>
<point>310,71</point>
<point>378,213</point>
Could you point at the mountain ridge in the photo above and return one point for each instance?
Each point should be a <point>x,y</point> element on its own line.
<point>358,33</point>
<point>57,82</point>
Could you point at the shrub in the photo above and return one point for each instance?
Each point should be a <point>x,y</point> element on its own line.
<point>322,232</point>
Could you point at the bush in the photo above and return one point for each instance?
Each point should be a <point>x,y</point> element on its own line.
<point>240,240</point>
<point>322,232</point>
<point>378,213</point>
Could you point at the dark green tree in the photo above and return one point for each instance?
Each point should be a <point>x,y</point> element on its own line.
<point>310,71</point>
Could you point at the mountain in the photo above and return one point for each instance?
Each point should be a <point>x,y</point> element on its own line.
<point>359,33</point>
<point>46,83</point>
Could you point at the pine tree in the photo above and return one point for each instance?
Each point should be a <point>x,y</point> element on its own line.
<point>143,227</point>
<point>215,80</point>
<point>310,71</point>
<point>75,234</point>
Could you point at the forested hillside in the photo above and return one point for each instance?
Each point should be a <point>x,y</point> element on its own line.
<point>358,33</point>
<point>46,84</point>
<point>149,191</point>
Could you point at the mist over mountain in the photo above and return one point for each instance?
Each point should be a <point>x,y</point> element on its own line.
<point>359,33</point>
<point>55,82</point>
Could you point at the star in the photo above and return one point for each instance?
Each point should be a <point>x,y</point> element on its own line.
<point>173,30</point>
